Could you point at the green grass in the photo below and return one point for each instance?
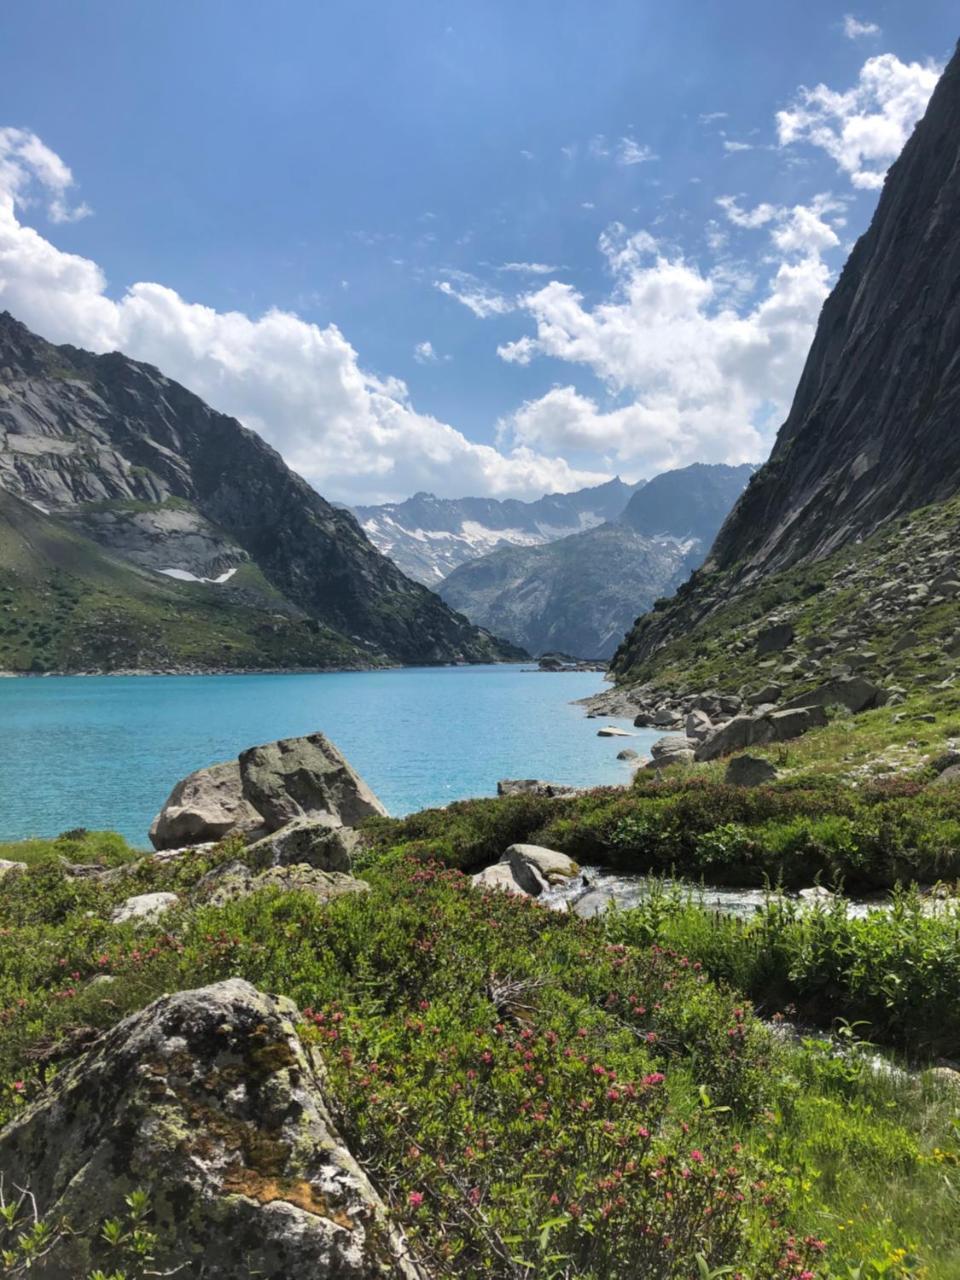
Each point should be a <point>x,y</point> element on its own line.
<point>808,827</point>
<point>821,599</point>
<point>525,1085</point>
<point>103,848</point>
<point>65,605</point>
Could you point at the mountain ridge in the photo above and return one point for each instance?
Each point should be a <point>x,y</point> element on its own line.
<point>142,468</point>
<point>429,537</point>
<point>581,593</point>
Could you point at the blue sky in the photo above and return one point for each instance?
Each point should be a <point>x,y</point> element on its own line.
<point>281,205</point>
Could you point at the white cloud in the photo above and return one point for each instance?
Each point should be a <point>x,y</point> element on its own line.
<point>756,217</point>
<point>630,152</point>
<point>483,302</point>
<point>528,268</point>
<point>711,117</point>
<point>424,353</point>
<point>856,30</point>
<point>732,146</point>
<point>694,370</point>
<point>301,386</point>
<point>864,128</point>
<point>28,167</point>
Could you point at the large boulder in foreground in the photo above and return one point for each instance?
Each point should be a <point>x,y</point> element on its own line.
<point>293,780</point>
<point>206,805</point>
<point>209,1101</point>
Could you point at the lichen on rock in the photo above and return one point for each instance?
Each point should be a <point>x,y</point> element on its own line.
<point>210,1102</point>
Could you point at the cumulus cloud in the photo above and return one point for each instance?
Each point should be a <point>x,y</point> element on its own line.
<point>806,229</point>
<point>424,353</point>
<point>853,29</point>
<point>301,386</point>
<point>862,129</point>
<point>693,371</point>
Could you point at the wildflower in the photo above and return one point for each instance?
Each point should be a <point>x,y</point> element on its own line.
<point>416,1199</point>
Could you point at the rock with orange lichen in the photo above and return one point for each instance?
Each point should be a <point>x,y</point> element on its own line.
<point>210,1102</point>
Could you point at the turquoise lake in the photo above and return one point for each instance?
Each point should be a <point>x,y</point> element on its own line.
<point>104,751</point>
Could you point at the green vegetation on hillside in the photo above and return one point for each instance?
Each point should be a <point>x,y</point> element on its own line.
<point>889,607</point>
<point>535,1094</point>
<point>65,605</point>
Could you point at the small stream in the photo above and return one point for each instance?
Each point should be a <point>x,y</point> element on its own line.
<point>596,889</point>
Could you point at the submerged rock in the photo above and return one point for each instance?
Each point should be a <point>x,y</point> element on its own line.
<point>533,787</point>
<point>210,1102</point>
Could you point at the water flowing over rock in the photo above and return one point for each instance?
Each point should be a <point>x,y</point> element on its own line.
<point>209,1101</point>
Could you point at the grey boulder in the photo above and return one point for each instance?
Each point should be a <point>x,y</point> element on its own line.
<point>306,840</point>
<point>305,777</point>
<point>210,1102</point>
<point>267,788</point>
<point>545,865</point>
<point>500,877</point>
<point>674,748</point>
<point>775,638</point>
<point>853,692</point>
<point>236,880</point>
<point>747,731</point>
<point>749,771</point>
<point>144,908</point>
<point>206,805</point>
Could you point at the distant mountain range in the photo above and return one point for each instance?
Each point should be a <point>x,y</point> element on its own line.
<point>141,529</point>
<point>429,537</point>
<point>580,594</point>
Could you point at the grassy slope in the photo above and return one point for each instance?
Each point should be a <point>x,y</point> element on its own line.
<point>860,598</point>
<point>66,605</point>
<point>487,1117</point>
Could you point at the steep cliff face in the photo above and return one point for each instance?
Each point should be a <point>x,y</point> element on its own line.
<point>130,460</point>
<point>873,427</point>
<point>872,433</point>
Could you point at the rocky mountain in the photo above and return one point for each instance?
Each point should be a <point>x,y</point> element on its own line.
<point>140,527</point>
<point>429,537</point>
<point>579,594</point>
<point>872,431</point>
